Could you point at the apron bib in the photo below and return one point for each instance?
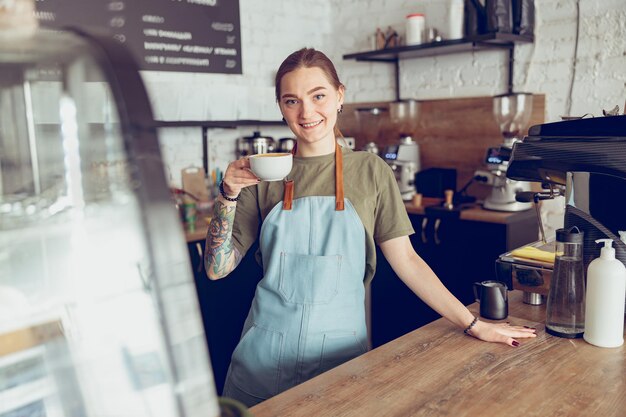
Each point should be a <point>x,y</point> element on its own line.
<point>308,312</point>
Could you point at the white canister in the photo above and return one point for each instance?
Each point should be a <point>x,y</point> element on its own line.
<point>456,14</point>
<point>415,25</point>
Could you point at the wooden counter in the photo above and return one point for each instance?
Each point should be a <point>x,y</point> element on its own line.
<point>438,371</point>
<point>473,213</point>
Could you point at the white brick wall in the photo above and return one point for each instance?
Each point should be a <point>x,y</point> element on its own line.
<point>543,67</point>
<point>271,29</point>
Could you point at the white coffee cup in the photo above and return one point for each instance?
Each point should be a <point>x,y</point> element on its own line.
<point>271,166</point>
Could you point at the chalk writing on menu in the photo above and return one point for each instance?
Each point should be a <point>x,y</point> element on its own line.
<point>163,35</point>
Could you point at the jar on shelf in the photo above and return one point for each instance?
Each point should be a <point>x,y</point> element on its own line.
<point>456,14</point>
<point>415,25</point>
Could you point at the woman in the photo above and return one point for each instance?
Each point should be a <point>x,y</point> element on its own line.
<point>317,234</point>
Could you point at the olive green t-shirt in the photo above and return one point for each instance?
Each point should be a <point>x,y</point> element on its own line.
<point>369,184</point>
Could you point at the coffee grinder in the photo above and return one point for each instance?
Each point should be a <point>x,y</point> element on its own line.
<point>404,156</point>
<point>512,113</point>
<point>369,120</point>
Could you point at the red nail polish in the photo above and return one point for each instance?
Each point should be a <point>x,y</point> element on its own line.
<point>515,343</point>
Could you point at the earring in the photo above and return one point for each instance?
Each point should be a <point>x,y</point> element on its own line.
<point>284,120</point>
<point>340,109</point>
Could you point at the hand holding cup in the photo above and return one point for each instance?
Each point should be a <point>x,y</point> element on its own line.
<point>238,176</point>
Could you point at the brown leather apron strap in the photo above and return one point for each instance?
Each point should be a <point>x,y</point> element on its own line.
<point>338,178</point>
<point>289,184</point>
<point>288,194</point>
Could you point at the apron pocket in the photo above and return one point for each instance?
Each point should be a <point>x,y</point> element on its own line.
<point>309,279</point>
<point>339,347</point>
<point>255,365</point>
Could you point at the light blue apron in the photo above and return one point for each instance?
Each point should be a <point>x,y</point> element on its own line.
<point>308,313</point>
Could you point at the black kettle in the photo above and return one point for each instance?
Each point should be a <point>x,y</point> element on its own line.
<point>503,16</point>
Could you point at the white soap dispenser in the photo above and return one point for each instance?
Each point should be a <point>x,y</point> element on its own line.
<point>606,289</point>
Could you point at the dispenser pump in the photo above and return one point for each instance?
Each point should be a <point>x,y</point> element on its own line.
<point>606,289</point>
<point>607,252</point>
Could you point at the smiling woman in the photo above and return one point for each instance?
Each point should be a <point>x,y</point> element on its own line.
<point>317,236</point>
<point>310,105</point>
<point>313,72</point>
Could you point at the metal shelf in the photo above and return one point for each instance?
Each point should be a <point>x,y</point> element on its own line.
<point>489,41</point>
<point>453,46</point>
<point>215,124</point>
<point>219,124</point>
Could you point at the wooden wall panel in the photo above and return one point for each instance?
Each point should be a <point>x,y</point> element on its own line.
<point>451,133</point>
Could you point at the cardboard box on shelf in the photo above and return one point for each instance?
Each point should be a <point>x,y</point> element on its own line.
<point>194,182</point>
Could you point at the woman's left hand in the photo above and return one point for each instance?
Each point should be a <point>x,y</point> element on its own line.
<point>501,332</point>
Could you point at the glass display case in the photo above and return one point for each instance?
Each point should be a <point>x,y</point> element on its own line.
<point>98,309</point>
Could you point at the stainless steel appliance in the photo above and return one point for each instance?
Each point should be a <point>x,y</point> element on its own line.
<point>403,159</point>
<point>371,147</point>
<point>404,156</point>
<point>242,145</point>
<point>348,142</point>
<point>588,158</point>
<point>286,144</point>
<point>98,307</point>
<point>512,113</point>
<point>255,144</point>
<point>369,120</point>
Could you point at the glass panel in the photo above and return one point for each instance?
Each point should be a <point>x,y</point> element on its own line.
<point>85,327</point>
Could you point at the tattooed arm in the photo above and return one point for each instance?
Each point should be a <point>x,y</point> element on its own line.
<point>220,254</point>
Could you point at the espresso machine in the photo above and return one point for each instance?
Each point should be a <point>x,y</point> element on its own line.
<point>512,113</point>
<point>404,157</point>
<point>586,157</point>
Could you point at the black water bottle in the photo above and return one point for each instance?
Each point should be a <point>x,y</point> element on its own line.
<point>474,18</point>
<point>523,17</point>
<point>499,16</point>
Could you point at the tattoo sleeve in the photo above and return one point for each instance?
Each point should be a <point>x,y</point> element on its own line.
<point>220,255</point>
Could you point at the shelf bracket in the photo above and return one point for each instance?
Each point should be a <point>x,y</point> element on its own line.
<point>511,65</point>
<point>397,75</point>
<point>205,150</point>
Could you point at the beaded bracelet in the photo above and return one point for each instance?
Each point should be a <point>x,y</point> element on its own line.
<point>469,328</point>
<point>223,193</point>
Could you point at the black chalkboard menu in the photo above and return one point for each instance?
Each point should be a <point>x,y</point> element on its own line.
<point>164,35</point>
